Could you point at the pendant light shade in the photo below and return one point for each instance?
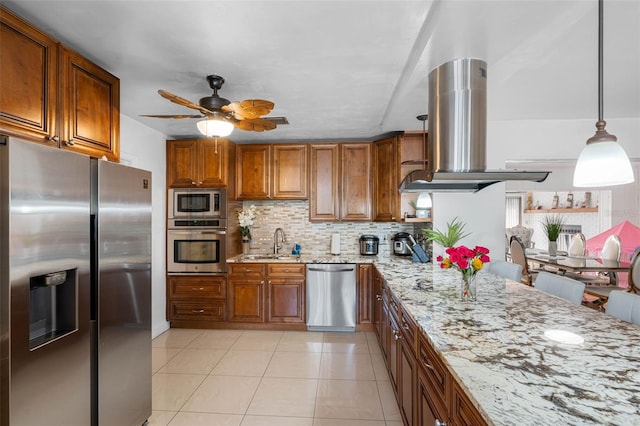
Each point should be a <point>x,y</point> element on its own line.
<point>213,127</point>
<point>603,162</point>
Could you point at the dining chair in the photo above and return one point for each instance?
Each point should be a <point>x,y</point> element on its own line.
<point>611,250</point>
<point>505,269</point>
<point>560,286</point>
<point>523,233</point>
<point>624,305</point>
<point>603,292</point>
<point>578,245</point>
<point>519,257</point>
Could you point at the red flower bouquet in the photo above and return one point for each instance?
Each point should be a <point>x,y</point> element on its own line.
<point>466,260</point>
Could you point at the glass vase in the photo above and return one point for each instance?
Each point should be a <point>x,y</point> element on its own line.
<point>246,246</point>
<point>468,289</point>
<point>553,248</point>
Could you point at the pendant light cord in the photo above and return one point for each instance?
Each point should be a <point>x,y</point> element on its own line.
<point>600,60</point>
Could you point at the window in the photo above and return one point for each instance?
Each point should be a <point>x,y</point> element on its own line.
<point>513,210</point>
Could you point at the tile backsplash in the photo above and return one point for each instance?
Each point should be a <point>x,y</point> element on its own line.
<point>314,237</point>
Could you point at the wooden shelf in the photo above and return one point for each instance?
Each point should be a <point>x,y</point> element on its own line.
<point>416,219</point>
<point>576,210</point>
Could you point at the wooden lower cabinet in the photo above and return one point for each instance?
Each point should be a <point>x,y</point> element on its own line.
<point>196,298</point>
<point>365,301</point>
<point>266,293</point>
<point>426,391</point>
<point>286,294</point>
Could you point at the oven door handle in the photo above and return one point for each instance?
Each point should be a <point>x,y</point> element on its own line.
<point>213,232</point>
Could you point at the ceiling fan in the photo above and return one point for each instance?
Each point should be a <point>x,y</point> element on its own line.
<point>221,116</point>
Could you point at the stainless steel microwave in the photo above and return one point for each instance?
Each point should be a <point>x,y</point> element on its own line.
<point>195,203</point>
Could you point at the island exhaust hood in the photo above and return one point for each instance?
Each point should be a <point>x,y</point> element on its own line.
<point>457,134</point>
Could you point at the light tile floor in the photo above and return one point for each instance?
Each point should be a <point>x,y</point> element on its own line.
<point>263,378</point>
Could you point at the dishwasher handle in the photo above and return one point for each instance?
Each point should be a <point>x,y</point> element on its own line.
<point>329,270</point>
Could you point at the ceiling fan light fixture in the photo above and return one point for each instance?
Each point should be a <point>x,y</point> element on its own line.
<point>214,127</point>
<point>603,162</point>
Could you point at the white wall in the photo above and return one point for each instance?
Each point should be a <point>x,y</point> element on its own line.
<point>144,148</point>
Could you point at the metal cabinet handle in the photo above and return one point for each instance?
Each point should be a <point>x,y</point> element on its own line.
<point>194,183</point>
<point>70,142</point>
<point>439,423</point>
<point>53,138</point>
<point>405,326</point>
<point>198,311</point>
<point>378,297</point>
<point>425,362</point>
<point>197,288</point>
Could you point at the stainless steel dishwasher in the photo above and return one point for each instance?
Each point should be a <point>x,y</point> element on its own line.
<point>331,297</point>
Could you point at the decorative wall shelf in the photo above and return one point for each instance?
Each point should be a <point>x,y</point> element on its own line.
<point>576,210</point>
<point>416,219</point>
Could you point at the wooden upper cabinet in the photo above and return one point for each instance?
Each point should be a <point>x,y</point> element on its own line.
<point>90,108</point>
<point>324,182</point>
<point>276,171</point>
<point>386,198</point>
<point>289,172</point>
<point>28,80</point>
<point>340,180</point>
<point>52,95</point>
<point>355,202</point>
<point>195,163</point>
<point>252,172</point>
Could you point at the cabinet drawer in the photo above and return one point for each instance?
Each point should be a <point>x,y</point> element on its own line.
<point>211,310</point>
<point>248,270</point>
<point>286,269</point>
<point>197,287</point>
<point>435,372</point>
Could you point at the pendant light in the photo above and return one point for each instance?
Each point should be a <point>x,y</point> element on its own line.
<point>603,162</point>
<point>215,127</point>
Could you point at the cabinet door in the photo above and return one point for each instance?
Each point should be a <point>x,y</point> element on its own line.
<point>386,206</point>
<point>213,157</point>
<point>289,171</point>
<point>28,78</point>
<point>252,172</point>
<point>246,300</point>
<point>463,412</point>
<point>392,354</point>
<point>324,174</point>
<point>286,300</point>
<point>377,303</point>
<point>182,163</point>
<point>407,386</point>
<point>355,202</point>
<point>365,294</point>
<point>90,108</point>
<point>427,411</point>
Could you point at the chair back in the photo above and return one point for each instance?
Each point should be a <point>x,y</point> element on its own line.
<point>612,248</point>
<point>578,245</point>
<point>508,270</point>
<point>518,257</point>
<point>634,273</point>
<point>624,305</point>
<point>560,286</point>
<point>522,232</point>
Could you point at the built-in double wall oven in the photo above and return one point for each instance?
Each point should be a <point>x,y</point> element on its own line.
<point>196,231</point>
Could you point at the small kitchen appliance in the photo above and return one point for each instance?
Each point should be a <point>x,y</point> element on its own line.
<point>401,244</point>
<point>369,245</point>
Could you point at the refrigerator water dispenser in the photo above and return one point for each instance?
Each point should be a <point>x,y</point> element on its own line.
<point>52,306</point>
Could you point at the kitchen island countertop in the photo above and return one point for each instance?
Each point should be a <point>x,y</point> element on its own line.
<point>497,349</point>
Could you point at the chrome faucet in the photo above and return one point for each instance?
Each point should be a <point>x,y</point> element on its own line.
<point>276,246</point>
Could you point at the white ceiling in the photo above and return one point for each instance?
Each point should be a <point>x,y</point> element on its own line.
<point>351,69</point>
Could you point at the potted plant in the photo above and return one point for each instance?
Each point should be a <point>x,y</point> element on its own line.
<point>552,225</point>
<point>455,232</point>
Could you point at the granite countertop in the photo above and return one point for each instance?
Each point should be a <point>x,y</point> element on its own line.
<point>498,352</point>
<point>305,258</point>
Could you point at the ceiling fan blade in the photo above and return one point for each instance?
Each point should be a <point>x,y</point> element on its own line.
<point>182,101</point>
<point>171,116</point>
<point>249,108</point>
<point>256,125</point>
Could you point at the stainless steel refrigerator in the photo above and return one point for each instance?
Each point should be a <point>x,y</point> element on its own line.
<point>75,289</point>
